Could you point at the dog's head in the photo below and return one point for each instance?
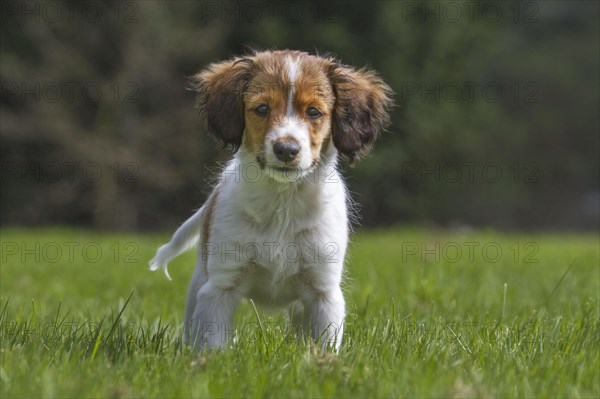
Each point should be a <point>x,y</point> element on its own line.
<point>287,107</point>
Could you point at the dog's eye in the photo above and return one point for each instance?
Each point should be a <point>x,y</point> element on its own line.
<point>262,110</point>
<point>313,113</point>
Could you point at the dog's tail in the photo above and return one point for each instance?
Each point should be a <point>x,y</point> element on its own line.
<point>184,239</point>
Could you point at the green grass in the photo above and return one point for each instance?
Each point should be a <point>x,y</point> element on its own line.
<point>81,316</point>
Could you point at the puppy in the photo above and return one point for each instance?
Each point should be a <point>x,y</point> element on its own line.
<point>275,228</point>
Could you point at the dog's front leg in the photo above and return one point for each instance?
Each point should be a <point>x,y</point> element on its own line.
<point>322,267</point>
<point>211,324</point>
<point>324,314</point>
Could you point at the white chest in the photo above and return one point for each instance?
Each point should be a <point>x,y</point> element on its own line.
<point>268,239</point>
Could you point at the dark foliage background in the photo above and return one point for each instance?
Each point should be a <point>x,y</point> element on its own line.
<point>495,124</point>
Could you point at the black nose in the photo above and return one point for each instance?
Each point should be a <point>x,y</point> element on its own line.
<point>286,151</point>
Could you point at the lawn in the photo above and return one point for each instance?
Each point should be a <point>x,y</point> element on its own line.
<point>431,313</point>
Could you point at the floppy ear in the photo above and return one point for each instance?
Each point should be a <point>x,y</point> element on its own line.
<point>220,90</point>
<point>361,109</point>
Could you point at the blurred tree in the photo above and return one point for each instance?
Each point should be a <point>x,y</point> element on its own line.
<point>98,129</point>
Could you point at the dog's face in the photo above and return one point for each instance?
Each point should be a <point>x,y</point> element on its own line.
<point>287,107</point>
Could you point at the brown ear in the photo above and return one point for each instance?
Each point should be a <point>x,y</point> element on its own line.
<point>361,109</point>
<point>220,90</point>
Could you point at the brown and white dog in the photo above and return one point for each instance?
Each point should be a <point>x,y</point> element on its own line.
<point>275,228</point>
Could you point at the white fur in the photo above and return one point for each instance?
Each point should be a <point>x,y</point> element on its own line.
<point>279,244</point>
<point>292,76</point>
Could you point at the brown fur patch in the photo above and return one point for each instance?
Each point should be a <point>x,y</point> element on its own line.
<point>313,90</point>
<point>266,87</point>
<point>362,106</point>
<point>220,89</point>
<point>265,91</point>
<point>207,223</point>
